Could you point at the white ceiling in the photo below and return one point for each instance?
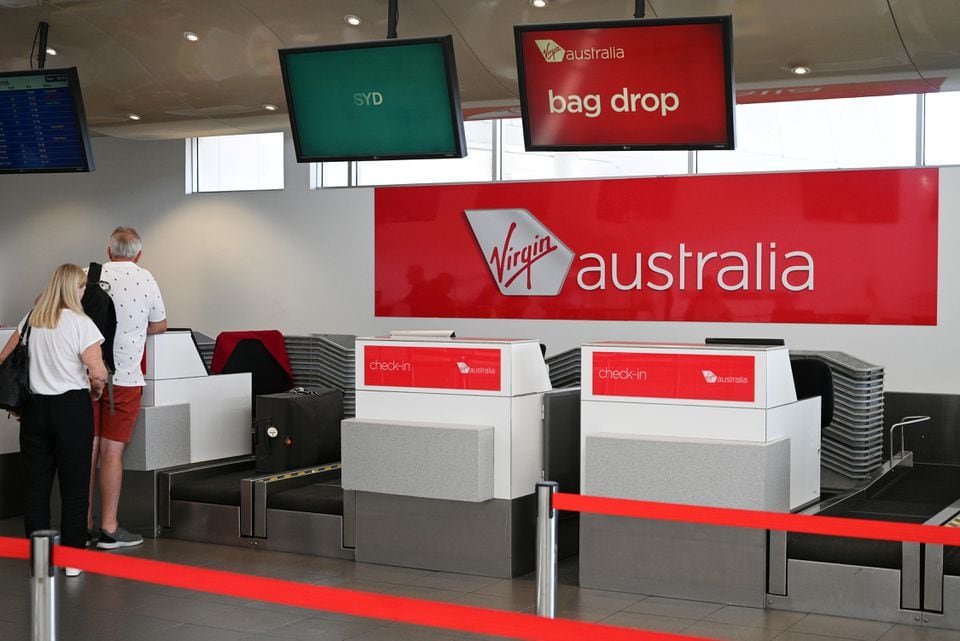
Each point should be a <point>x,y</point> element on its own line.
<point>132,56</point>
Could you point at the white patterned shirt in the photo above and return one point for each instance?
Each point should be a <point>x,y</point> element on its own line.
<point>136,297</point>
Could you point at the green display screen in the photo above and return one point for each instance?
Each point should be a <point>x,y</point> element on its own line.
<point>377,100</point>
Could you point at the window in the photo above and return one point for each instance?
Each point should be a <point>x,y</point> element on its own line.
<point>519,164</point>
<point>820,134</point>
<point>876,131</point>
<point>942,129</point>
<point>476,167</point>
<point>247,162</point>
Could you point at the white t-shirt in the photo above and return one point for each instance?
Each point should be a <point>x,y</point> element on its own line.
<point>55,365</point>
<point>136,297</point>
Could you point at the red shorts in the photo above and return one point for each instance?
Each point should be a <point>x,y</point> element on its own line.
<point>117,426</point>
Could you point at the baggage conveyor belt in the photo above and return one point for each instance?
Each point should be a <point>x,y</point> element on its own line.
<point>296,511</point>
<point>905,494</point>
<point>881,580</point>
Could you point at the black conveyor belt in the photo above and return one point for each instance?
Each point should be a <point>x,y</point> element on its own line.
<point>220,490</point>
<point>907,495</point>
<point>317,498</point>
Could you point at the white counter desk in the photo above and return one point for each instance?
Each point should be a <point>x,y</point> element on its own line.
<point>445,452</point>
<point>715,425</point>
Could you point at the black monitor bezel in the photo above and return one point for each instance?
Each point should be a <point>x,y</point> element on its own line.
<point>726,23</point>
<point>73,81</point>
<point>453,93</point>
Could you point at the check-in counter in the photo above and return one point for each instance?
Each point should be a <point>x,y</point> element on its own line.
<point>716,425</point>
<point>218,407</point>
<point>445,451</point>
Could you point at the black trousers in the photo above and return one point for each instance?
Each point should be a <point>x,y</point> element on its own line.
<point>56,438</point>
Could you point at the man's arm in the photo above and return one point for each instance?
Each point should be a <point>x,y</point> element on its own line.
<point>158,327</point>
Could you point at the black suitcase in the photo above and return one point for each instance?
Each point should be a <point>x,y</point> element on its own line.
<point>297,429</point>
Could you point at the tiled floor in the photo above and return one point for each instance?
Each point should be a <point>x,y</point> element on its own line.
<point>98,608</point>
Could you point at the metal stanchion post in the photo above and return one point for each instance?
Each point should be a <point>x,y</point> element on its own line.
<point>546,550</point>
<point>43,577</point>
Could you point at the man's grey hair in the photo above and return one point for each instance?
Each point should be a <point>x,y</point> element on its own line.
<point>125,243</point>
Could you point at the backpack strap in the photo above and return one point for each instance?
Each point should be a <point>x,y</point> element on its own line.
<point>93,272</point>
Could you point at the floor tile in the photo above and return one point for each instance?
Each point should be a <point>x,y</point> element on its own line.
<point>830,626</point>
<point>800,636</point>
<point>494,602</point>
<point>188,632</point>
<point>913,633</point>
<point>680,608</point>
<point>249,619</point>
<point>726,632</point>
<point>646,622</point>
<point>455,582</point>
<point>317,629</point>
<point>182,610</point>
<point>755,617</point>
<point>416,592</point>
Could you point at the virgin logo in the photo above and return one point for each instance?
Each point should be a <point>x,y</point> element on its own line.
<point>527,259</point>
<point>712,378</point>
<point>467,369</point>
<point>524,257</point>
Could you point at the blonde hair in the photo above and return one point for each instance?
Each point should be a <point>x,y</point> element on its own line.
<point>125,243</point>
<point>61,293</point>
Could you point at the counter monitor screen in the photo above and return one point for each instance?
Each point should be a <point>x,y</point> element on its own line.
<point>42,123</point>
<point>389,99</point>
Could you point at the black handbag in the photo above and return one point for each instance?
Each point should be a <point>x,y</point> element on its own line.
<point>15,376</point>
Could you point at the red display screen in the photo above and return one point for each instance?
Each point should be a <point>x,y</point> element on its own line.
<point>687,376</point>
<point>646,84</point>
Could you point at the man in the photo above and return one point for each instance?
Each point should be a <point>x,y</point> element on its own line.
<point>140,312</point>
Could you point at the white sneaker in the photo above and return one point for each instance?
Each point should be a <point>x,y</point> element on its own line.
<point>72,571</point>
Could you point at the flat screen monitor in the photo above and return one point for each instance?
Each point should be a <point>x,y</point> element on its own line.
<point>766,342</point>
<point>627,85</point>
<point>389,99</point>
<point>42,124</point>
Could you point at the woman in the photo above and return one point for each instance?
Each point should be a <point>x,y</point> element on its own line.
<point>56,426</point>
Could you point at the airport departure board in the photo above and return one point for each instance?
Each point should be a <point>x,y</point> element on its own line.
<point>42,123</point>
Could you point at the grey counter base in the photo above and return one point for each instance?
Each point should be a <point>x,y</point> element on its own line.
<point>680,560</point>
<point>494,538</point>
<point>845,590</point>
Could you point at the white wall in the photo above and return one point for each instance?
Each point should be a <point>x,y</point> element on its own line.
<point>302,261</point>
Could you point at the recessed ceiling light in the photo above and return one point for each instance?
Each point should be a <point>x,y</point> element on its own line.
<point>191,36</point>
<point>134,116</point>
<point>352,20</point>
<point>270,107</point>
<point>51,51</point>
<point>539,4</point>
<point>799,70</point>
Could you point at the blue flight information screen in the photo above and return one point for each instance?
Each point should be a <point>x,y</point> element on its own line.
<point>40,129</point>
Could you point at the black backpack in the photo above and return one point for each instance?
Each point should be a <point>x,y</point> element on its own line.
<point>98,305</point>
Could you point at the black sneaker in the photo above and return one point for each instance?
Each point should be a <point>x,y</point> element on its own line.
<point>92,537</point>
<point>118,539</point>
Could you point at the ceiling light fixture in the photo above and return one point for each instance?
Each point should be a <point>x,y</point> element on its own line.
<point>134,116</point>
<point>539,4</point>
<point>51,51</point>
<point>191,36</point>
<point>799,70</point>
<point>352,20</point>
<point>270,107</point>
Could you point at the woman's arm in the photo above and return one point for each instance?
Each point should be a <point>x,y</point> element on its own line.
<point>92,357</point>
<point>11,343</point>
